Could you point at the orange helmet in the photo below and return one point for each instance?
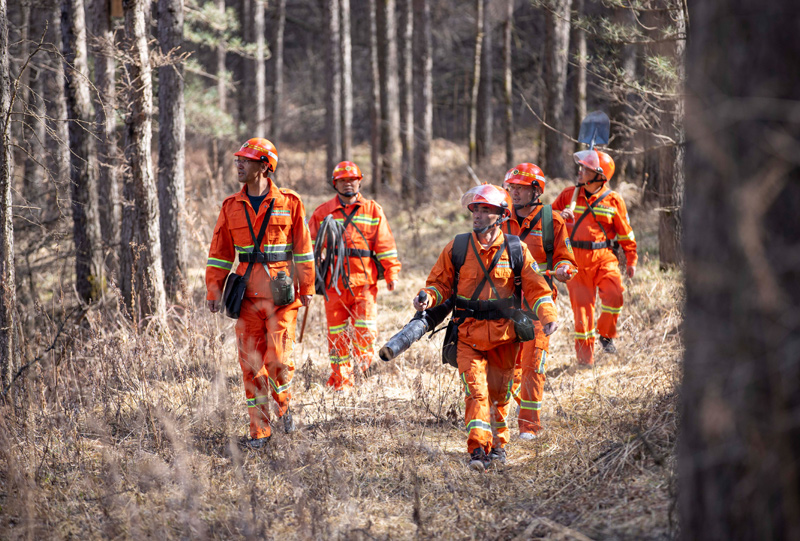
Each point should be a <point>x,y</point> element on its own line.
<point>488,194</point>
<point>345,170</point>
<point>260,149</point>
<point>525,174</point>
<point>597,161</point>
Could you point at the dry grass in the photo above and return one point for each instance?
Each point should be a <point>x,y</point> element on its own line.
<point>117,433</point>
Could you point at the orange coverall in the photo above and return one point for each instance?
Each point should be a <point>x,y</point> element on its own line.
<point>598,269</point>
<point>529,371</point>
<point>487,349</point>
<point>356,305</point>
<point>264,332</point>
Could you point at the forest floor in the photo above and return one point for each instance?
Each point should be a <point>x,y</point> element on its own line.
<point>118,432</point>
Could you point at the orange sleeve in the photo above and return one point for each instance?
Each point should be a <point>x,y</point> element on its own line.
<point>536,290</point>
<point>385,248</point>
<point>625,236</point>
<point>564,199</point>
<point>301,247</point>
<point>221,255</point>
<point>440,281</point>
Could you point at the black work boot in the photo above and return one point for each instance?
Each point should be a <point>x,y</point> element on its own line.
<point>608,344</point>
<point>478,460</point>
<point>255,443</point>
<point>498,454</point>
<point>288,422</point>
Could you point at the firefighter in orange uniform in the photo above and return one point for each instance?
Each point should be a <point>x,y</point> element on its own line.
<point>487,340</point>
<point>265,328</point>
<point>598,220</point>
<point>367,242</point>
<point>525,183</point>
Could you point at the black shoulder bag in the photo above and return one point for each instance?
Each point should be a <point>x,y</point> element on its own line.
<point>235,284</point>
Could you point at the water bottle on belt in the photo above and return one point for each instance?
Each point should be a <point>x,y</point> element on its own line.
<point>282,287</point>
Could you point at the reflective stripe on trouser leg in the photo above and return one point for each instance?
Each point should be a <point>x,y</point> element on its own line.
<point>487,377</point>
<point>610,289</point>
<point>337,313</point>
<point>264,337</point>
<point>365,313</point>
<point>532,368</point>
<point>582,298</point>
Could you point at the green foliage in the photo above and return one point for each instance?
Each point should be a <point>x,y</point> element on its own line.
<point>203,115</point>
<point>206,26</point>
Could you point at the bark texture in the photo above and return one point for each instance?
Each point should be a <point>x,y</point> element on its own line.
<point>172,149</point>
<point>375,98</point>
<point>740,439</point>
<point>579,40</point>
<point>149,300</point>
<point>387,65</point>
<point>423,100</point>
<point>476,79</point>
<point>508,96</point>
<point>260,68</point>
<point>7,277</point>
<point>334,92</point>
<point>105,116</point>
<point>407,98</point>
<point>347,81</point>
<point>557,19</point>
<point>483,142</point>
<point>277,74</point>
<point>83,164</point>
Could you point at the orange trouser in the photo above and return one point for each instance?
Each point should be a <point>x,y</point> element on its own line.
<point>360,309</point>
<point>265,336</point>
<point>487,377</point>
<point>529,380</point>
<point>597,270</point>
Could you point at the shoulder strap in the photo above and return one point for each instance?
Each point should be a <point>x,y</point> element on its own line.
<point>525,232</point>
<point>548,240</point>
<point>257,241</point>
<point>458,255</point>
<point>590,210</point>
<point>514,244</point>
<point>486,277</point>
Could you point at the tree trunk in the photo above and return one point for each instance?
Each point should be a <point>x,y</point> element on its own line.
<point>483,142</point>
<point>423,100</point>
<point>56,98</point>
<point>277,75</point>
<point>508,96</point>
<point>105,110</point>
<point>556,55</point>
<point>579,37</point>
<point>375,101</point>
<point>33,185</point>
<point>334,90</point>
<point>172,149</point>
<point>740,439</point>
<point>83,164</point>
<point>347,81</point>
<point>672,184</point>
<point>260,68</point>
<point>149,268</point>
<point>387,65</point>
<point>476,78</point>
<point>407,98</point>
<point>7,279</point>
<point>620,111</point>
<point>244,72</point>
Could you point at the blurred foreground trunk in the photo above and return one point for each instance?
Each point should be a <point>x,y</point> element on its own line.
<point>7,289</point>
<point>740,438</point>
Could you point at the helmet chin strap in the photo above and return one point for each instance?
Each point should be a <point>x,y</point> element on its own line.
<point>497,223</point>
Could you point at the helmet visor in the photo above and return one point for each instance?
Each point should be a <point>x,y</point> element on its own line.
<point>588,159</point>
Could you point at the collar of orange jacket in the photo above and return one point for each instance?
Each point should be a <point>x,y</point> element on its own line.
<point>272,193</point>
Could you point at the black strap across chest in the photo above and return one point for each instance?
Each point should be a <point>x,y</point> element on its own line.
<point>257,256</point>
<point>590,209</point>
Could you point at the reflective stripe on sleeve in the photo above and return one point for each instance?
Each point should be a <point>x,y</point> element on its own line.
<point>219,263</point>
